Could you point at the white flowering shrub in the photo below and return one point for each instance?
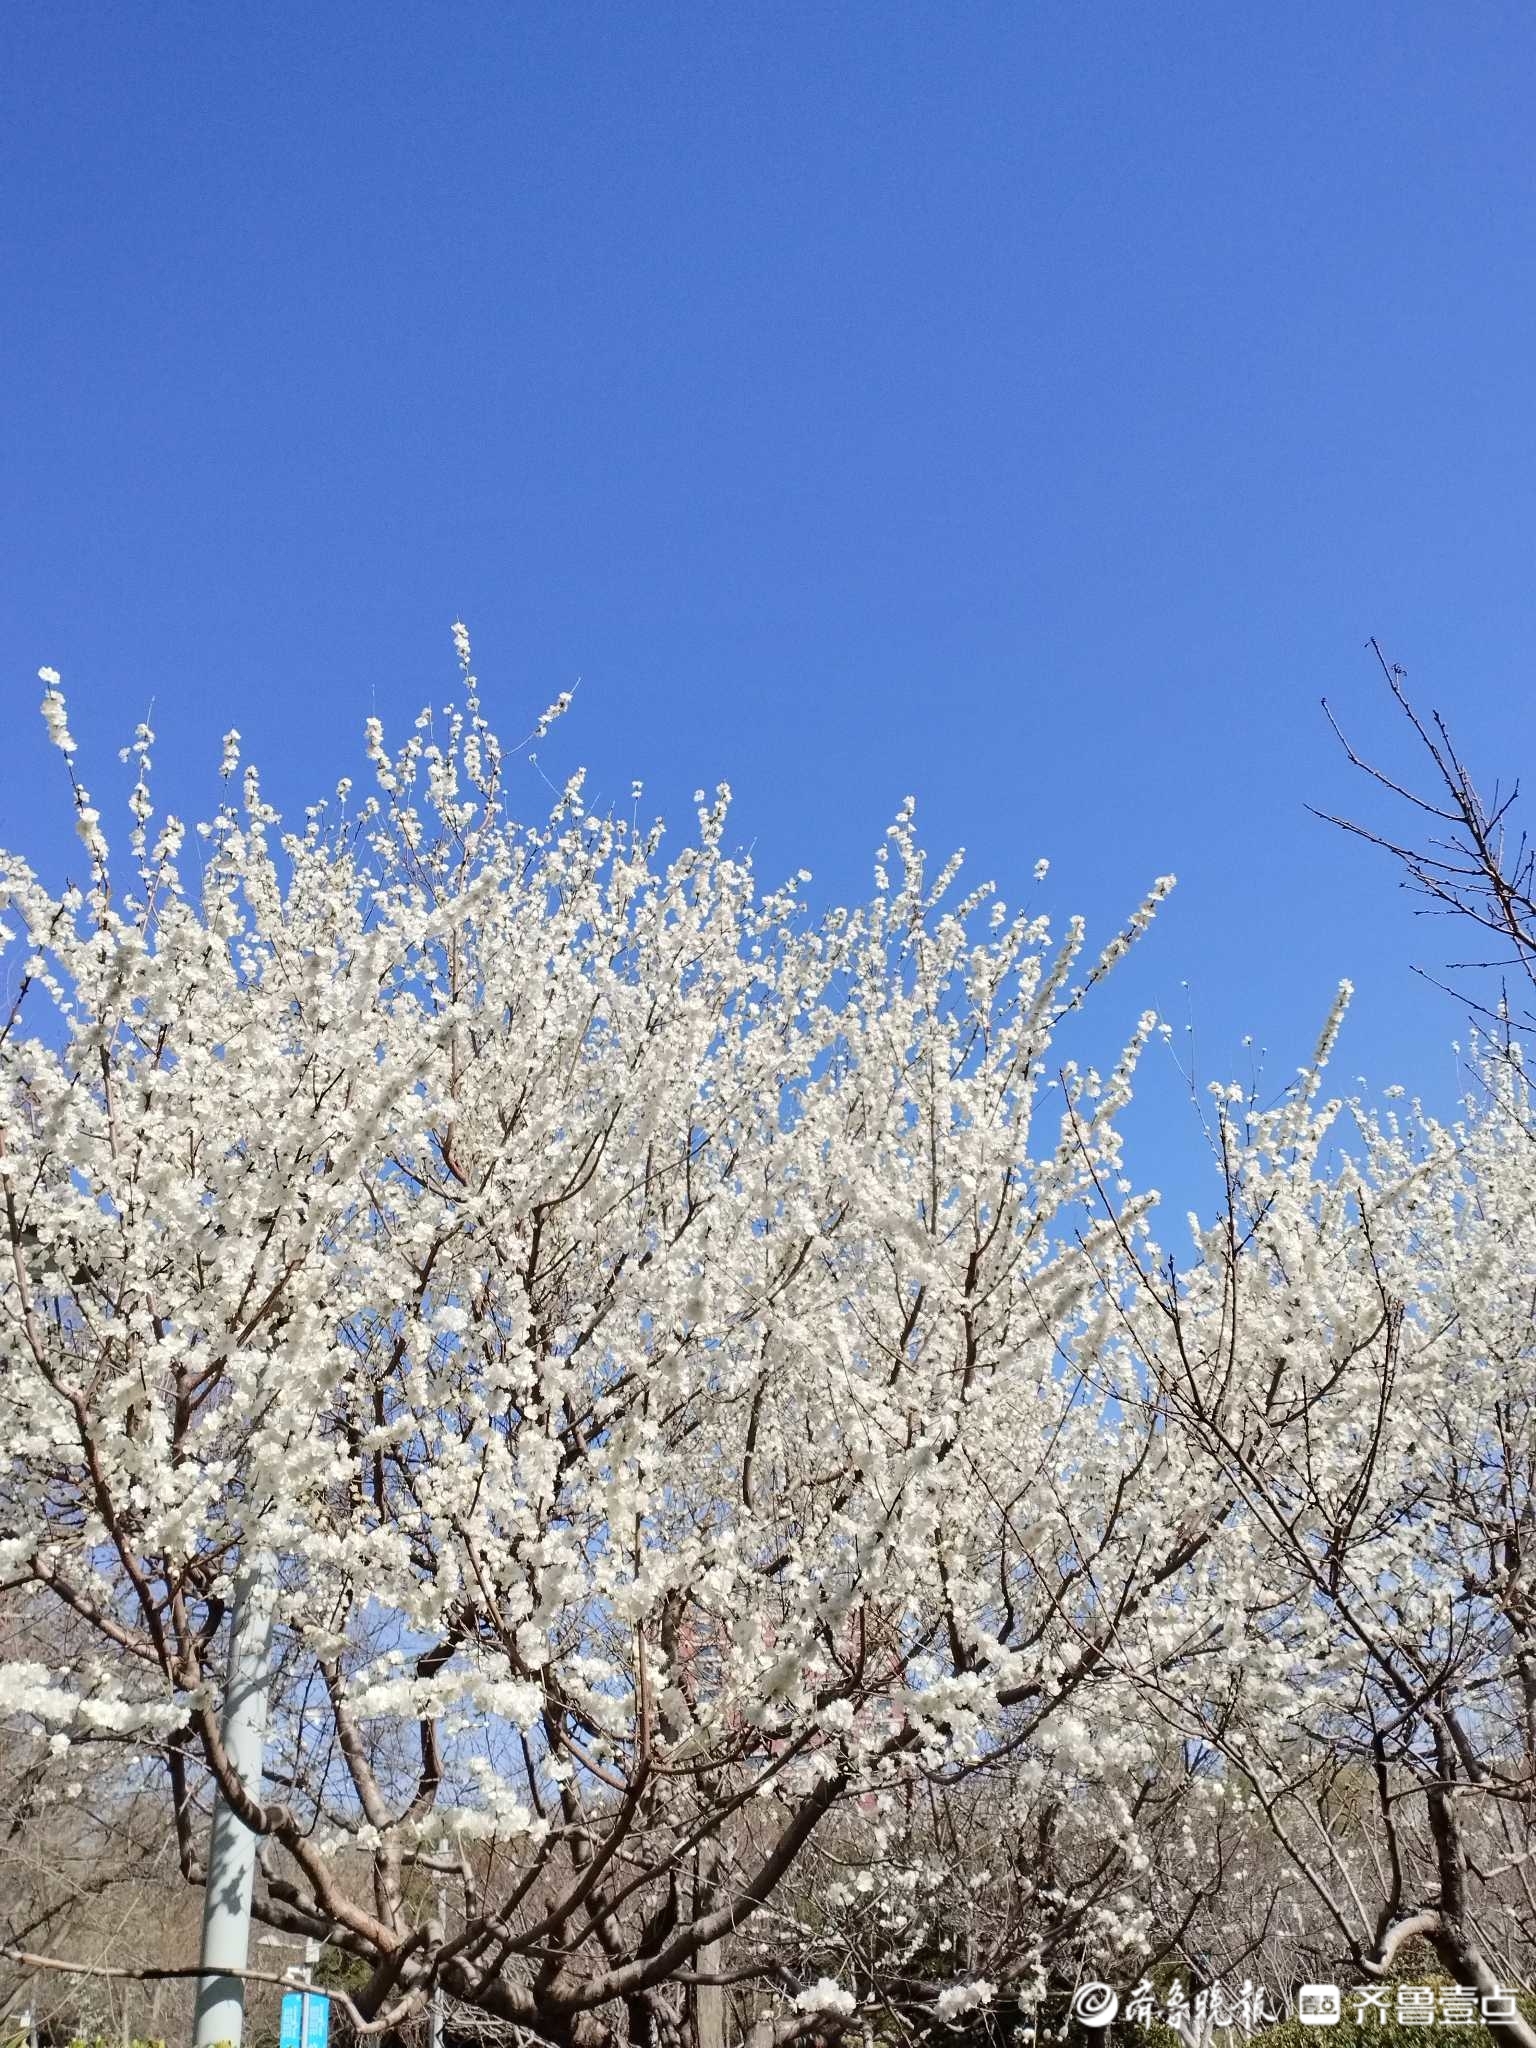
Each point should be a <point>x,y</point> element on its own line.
<point>659,1344</point>
<point>1351,1358</point>
<point>748,1505</point>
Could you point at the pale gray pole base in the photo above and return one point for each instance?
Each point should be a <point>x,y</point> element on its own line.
<point>220,2014</point>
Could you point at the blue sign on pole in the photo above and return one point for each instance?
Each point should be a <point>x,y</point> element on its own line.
<point>306,2020</point>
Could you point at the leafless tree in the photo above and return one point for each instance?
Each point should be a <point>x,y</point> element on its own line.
<point>1464,853</point>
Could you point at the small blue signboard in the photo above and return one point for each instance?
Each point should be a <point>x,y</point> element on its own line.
<point>306,2021</point>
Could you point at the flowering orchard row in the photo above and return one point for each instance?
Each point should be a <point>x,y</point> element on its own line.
<point>757,1499</point>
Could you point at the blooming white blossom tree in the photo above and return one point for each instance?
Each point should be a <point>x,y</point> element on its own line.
<point>1351,1356</point>
<point>748,1503</point>
<point>666,1350</point>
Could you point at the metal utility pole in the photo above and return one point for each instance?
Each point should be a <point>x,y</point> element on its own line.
<point>220,2014</point>
<point>435,2012</point>
<point>708,1999</point>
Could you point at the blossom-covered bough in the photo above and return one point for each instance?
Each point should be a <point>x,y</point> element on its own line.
<point>661,1343</point>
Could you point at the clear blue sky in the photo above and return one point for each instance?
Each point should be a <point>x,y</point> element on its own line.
<point>1034,406</point>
